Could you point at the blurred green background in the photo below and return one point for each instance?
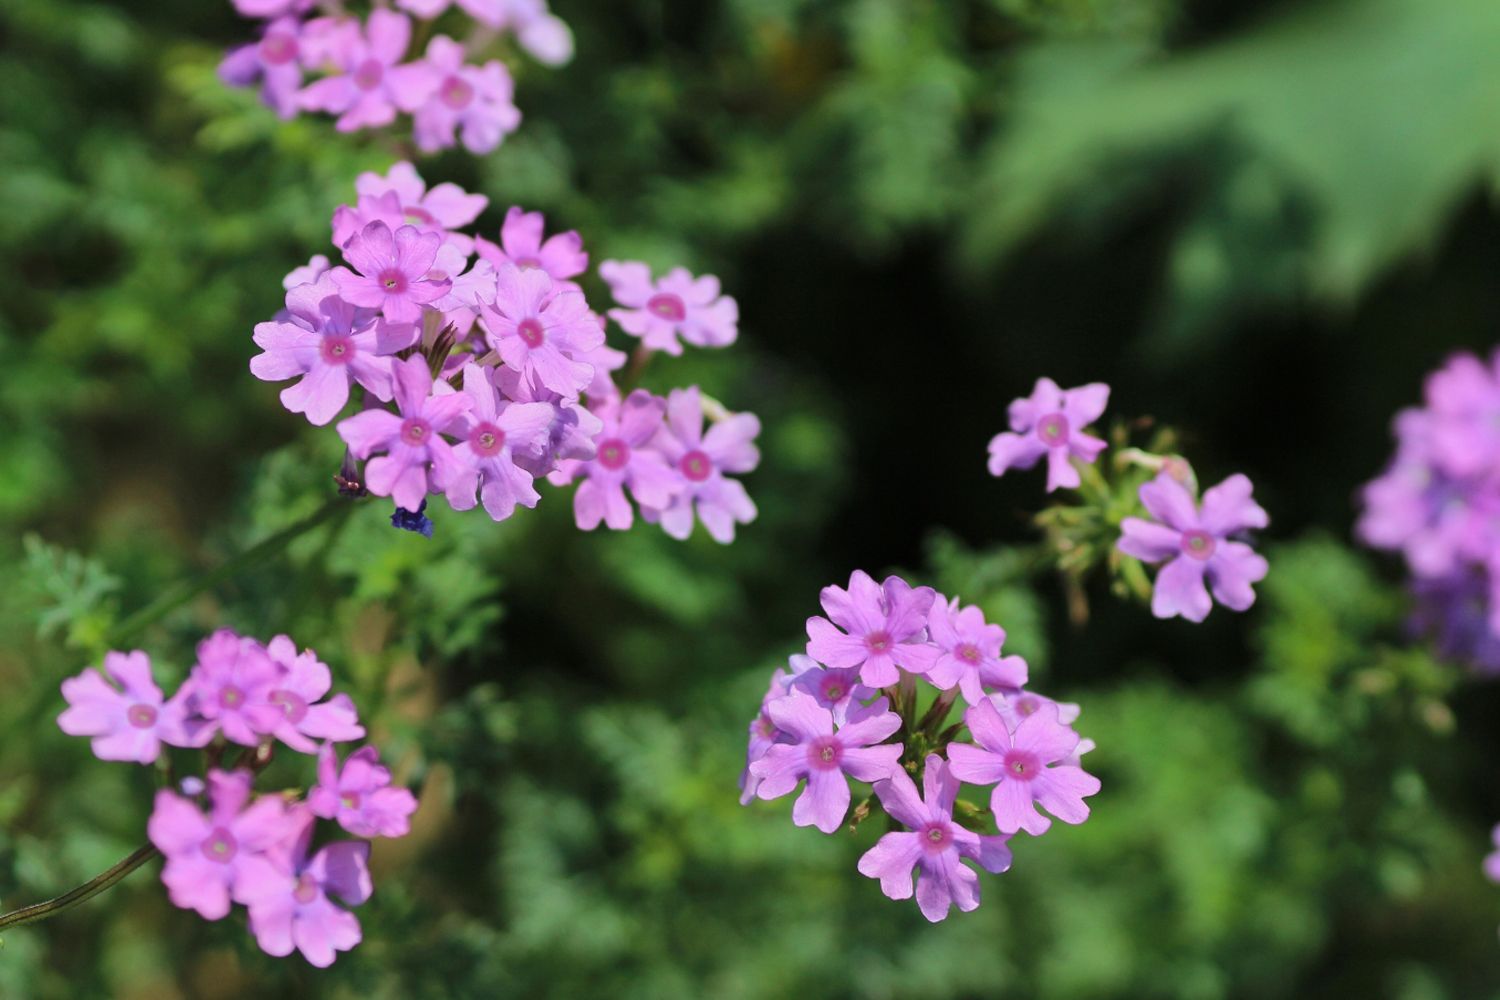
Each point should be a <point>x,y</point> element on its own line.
<point>1260,222</point>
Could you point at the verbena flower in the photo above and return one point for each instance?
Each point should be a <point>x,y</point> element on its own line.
<point>372,86</point>
<point>677,305</point>
<point>129,722</point>
<point>299,691</point>
<point>970,651</point>
<point>561,255</point>
<point>393,271</point>
<point>1050,423</point>
<point>884,626</point>
<point>475,102</point>
<point>360,795</point>
<point>701,461</point>
<point>624,458</point>
<point>230,687</point>
<point>764,734</point>
<point>839,691</point>
<point>275,62</point>
<point>489,435</point>
<point>539,330</point>
<point>297,909</point>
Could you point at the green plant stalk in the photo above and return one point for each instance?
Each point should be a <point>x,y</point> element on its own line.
<point>85,892</point>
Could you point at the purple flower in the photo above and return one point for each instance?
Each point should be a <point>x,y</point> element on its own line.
<point>540,329</point>
<point>1456,611</point>
<point>624,456</point>
<point>1050,422</point>
<point>489,435</point>
<point>884,627</point>
<point>1196,546</point>
<point>1492,861</point>
<point>839,691</point>
<point>372,87</point>
<point>130,722</point>
<point>361,796</point>
<point>274,61</point>
<point>561,255</point>
<point>763,732</point>
<point>230,687</point>
<point>402,197</point>
<point>701,461</point>
<point>331,345</point>
<point>677,305</point>
<point>315,268</point>
<point>573,430</point>
<point>970,651</point>
<point>298,692</point>
<point>297,911</point>
<point>417,459</point>
<point>1464,399</point>
<point>392,271</point>
<point>824,757</point>
<point>477,102</point>
<point>1030,767</point>
<point>223,855</point>
<point>932,845</point>
<point>1015,705</point>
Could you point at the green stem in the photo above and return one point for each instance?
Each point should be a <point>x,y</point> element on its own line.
<point>175,597</point>
<point>87,891</point>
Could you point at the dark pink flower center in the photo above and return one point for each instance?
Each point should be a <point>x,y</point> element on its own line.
<point>278,48</point>
<point>487,440</point>
<point>765,727</point>
<point>415,431</point>
<point>418,214</point>
<point>1021,765</point>
<point>350,800</point>
<point>1027,705</point>
<point>531,333</point>
<point>141,716</point>
<point>292,704</point>
<point>614,454</point>
<point>1199,544</point>
<point>1053,430</point>
<point>833,689</point>
<point>231,697</point>
<point>528,263</point>
<point>337,350</point>
<point>220,846</point>
<point>824,753</point>
<point>937,837</point>
<point>456,93</point>
<point>696,465</point>
<point>307,889</point>
<point>369,74</point>
<point>878,641</point>
<point>968,652</point>
<point>667,306</point>
<point>393,281</point>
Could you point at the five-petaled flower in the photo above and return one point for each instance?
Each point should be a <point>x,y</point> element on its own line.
<point>1050,422</point>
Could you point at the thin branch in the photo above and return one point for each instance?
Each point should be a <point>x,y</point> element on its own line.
<point>87,891</point>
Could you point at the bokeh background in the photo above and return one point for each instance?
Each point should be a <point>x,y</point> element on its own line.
<point>1260,222</point>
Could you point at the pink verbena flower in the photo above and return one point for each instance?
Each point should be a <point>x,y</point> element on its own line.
<point>933,844</point>
<point>884,626</point>
<point>372,86</point>
<point>1027,768</point>
<point>476,102</point>
<point>130,722</point>
<point>417,459</point>
<point>539,329</point>
<point>297,911</point>
<point>561,255</point>
<point>316,266</point>
<point>1015,705</point>
<point>571,434</point>
<point>678,305</point>
<point>230,688</point>
<point>825,756</point>
<point>624,457</point>
<point>490,434</point>
<point>839,691</point>
<point>1050,422</point>
<point>702,461</point>
<point>1492,861</point>
<point>1464,399</point>
<point>1196,546</point>
<point>763,731</point>
<point>220,856</point>
<point>304,680</point>
<point>361,796</point>
<point>393,271</point>
<point>274,62</point>
<point>331,345</point>
<point>970,651</point>
<point>401,197</point>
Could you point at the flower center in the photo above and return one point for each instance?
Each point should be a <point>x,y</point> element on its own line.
<point>1021,765</point>
<point>220,846</point>
<point>1199,544</point>
<point>141,716</point>
<point>696,465</point>
<point>968,652</point>
<point>278,48</point>
<point>456,93</point>
<point>614,454</point>
<point>528,263</point>
<point>414,431</point>
<point>1027,705</point>
<point>350,800</point>
<point>878,641</point>
<point>369,74</point>
<point>936,837</point>
<point>337,350</point>
<point>393,281</point>
<point>231,697</point>
<point>765,727</point>
<point>531,333</point>
<point>487,440</point>
<point>1053,430</point>
<point>823,754</point>
<point>667,306</point>
<point>307,889</point>
<point>832,690</point>
<point>292,704</point>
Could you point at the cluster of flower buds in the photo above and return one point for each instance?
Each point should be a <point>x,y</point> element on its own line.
<point>1438,503</point>
<point>367,71</point>
<point>870,701</point>
<point>223,844</point>
<point>499,370</point>
<point>1141,504</point>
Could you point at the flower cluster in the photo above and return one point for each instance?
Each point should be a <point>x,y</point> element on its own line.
<point>870,701</point>
<point>1438,503</point>
<point>222,843</point>
<point>498,368</point>
<point>1199,547</point>
<point>366,71</point>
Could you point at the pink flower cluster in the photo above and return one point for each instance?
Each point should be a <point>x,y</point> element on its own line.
<point>499,370</point>
<point>366,72</point>
<point>849,709</point>
<point>1438,504</point>
<point>223,844</point>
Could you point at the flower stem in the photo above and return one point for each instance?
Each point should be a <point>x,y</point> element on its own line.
<point>87,891</point>
<point>174,597</point>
